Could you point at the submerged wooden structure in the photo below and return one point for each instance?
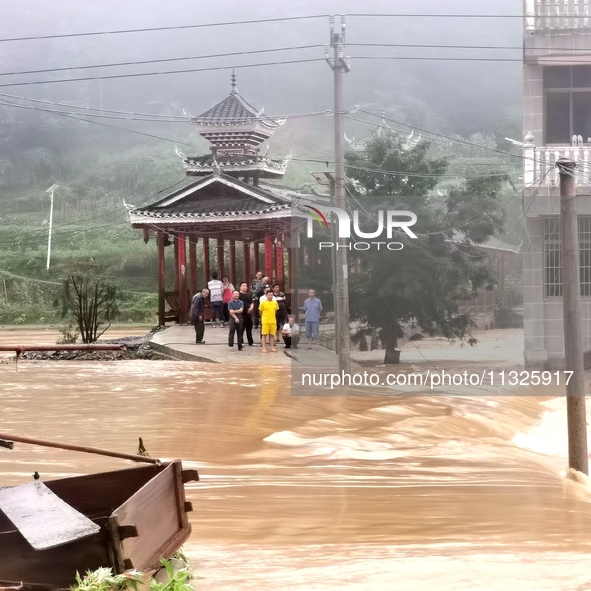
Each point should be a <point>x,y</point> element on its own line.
<point>136,516</point>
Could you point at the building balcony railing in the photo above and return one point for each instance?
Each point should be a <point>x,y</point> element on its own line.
<point>539,165</point>
<point>543,15</point>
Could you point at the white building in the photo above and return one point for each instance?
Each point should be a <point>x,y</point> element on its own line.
<point>556,123</point>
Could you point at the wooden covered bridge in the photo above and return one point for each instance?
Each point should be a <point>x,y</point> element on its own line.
<point>224,205</point>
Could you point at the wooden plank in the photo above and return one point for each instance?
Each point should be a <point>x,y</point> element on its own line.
<point>157,511</point>
<point>56,566</point>
<point>45,520</point>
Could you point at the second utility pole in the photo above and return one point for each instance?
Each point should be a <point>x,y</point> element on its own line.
<point>339,65</point>
<point>571,305</point>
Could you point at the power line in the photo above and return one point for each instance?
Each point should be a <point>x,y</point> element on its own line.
<point>131,116</point>
<point>409,174</point>
<point>433,133</point>
<point>160,73</point>
<point>94,217</point>
<point>380,15</point>
<point>170,28</point>
<point>163,60</point>
<point>500,47</point>
<point>150,135</point>
<point>277,49</point>
<point>442,59</point>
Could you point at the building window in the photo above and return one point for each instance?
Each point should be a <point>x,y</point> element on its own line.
<point>567,92</point>
<point>553,256</point>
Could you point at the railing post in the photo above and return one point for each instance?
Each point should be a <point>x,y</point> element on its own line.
<point>529,160</point>
<point>530,13</point>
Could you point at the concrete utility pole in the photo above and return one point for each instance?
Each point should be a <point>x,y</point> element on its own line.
<point>339,65</point>
<point>571,302</point>
<point>50,191</point>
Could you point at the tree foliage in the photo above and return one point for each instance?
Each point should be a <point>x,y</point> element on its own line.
<point>424,282</point>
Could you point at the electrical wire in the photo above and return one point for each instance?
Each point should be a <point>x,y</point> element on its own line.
<point>160,119</point>
<point>500,47</point>
<point>160,73</point>
<point>162,60</point>
<point>77,118</point>
<point>405,173</point>
<point>182,118</point>
<point>440,136</point>
<point>169,28</point>
<point>278,49</point>
<point>98,216</point>
<point>443,59</point>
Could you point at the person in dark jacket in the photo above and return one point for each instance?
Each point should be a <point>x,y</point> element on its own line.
<point>255,287</point>
<point>246,297</point>
<point>197,313</point>
<point>282,318</point>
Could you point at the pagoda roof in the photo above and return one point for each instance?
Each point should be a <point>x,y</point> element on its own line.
<point>218,197</point>
<point>240,163</point>
<point>235,110</point>
<point>380,130</point>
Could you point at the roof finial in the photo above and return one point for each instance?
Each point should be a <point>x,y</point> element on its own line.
<point>234,89</point>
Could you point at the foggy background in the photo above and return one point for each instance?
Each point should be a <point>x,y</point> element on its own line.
<point>460,97</point>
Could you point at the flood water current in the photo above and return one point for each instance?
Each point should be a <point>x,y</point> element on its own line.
<point>325,493</point>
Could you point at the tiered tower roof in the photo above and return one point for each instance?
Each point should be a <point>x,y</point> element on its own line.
<point>235,129</point>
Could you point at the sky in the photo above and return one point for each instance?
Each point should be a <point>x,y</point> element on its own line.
<point>462,96</point>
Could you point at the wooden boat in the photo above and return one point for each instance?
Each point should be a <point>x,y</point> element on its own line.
<point>138,515</point>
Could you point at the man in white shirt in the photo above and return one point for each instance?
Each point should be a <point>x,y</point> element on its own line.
<point>216,288</point>
<point>291,334</point>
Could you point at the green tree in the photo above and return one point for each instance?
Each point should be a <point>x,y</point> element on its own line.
<point>423,282</point>
<point>92,302</point>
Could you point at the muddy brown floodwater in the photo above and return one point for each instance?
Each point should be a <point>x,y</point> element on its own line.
<point>325,493</point>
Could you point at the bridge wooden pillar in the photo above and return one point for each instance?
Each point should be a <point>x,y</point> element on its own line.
<point>193,263</point>
<point>176,266</point>
<point>269,257</point>
<point>280,271</point>
<point>181,272</point>
<point>161,278</point>
<point>246,263</point>
<point>206,274</point>
<point>256,255</point>
<point>220,253</point>
<point>233,263</point>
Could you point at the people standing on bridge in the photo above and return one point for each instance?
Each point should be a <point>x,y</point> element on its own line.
<point>236,311</point>
<point>259,295</point>
<point>216,299</point>
<point>291,334</point>
<point>255,288</point>
<point>268,308</point>
<point>312,309</point>
<point>279,297</point>
<point>197,314</point>
<point>227,291</point>
<point>246,297</point>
